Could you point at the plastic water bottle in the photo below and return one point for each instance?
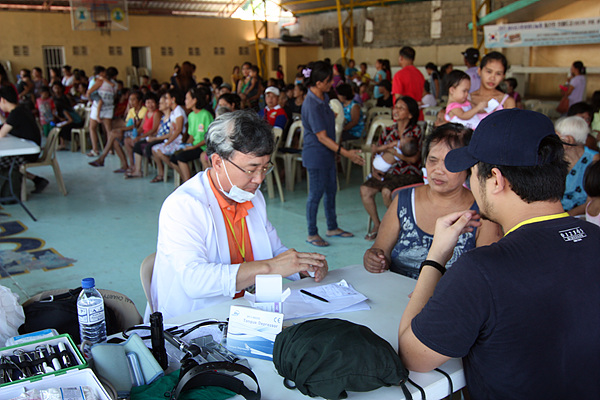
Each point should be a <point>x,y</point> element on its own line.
<point>90,310</point>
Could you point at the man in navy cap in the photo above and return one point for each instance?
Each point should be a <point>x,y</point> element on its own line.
<point>523,313</point>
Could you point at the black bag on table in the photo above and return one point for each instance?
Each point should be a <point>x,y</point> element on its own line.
<point>60,312</point>
<point>326,357</point>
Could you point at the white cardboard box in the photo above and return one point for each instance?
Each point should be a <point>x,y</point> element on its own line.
<point>77,377</point>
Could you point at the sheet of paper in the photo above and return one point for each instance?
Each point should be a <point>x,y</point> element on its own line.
<point>340,296</point>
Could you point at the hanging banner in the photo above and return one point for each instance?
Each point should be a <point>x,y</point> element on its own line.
<point>543,33</point>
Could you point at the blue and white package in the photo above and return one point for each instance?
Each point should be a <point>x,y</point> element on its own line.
<point>251,332</point>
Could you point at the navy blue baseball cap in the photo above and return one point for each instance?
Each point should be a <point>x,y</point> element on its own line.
<point>506,137</point>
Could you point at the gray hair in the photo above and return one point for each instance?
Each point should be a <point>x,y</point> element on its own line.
<point>573,126</point>
<point>242,131</point>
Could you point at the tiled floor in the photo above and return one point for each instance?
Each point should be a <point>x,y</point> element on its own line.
<point>109,224</point>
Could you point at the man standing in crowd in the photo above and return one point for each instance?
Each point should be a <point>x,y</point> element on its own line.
<point>409,81</point>
<point>523,312</point>
<point>213,233</point>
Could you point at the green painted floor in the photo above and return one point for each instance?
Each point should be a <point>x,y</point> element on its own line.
<point>109,224</point>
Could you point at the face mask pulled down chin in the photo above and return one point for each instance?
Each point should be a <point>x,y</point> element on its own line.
<point>235,193</point>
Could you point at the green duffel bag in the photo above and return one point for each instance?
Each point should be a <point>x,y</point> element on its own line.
<point>327,357</point>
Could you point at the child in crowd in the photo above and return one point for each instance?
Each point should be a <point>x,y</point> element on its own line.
<point>145,82</point>
<point>511,85</point>
<point>428,99</point>
<point>390,153</point>
<point>80,91</point>
<point>363,91</point>
<point>363,75</point>
<point>251,93</point>
<point>385,99</point>
<point>459,109</point>
<point>95,96</point>
<point>351,71</point>
<point>287,93</point>
<point>273,113</point>
<point>357,93</point>
<point>591,185</point>
<point>293,107</point>
<point>46,109</point>
<point>199,119</point>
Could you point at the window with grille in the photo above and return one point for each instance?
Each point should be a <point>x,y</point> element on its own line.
<point>54,57</point>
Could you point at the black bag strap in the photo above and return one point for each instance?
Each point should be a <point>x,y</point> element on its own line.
<point>62,296</point>
<point>418,387</point>
<point>288,383</point>
<point>449,380</point>
<point>406,392</point>
<point>207,375</point>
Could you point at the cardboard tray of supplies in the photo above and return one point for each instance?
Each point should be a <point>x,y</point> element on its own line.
<point>68,379</point>
<point>75,359</point>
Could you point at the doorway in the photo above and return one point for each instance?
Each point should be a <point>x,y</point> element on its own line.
<point>140,58</point>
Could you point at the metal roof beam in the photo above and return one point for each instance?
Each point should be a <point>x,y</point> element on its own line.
<point>503,12</point>
<point>358,4</point>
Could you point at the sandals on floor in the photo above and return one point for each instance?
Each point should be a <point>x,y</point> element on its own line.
<point>120,171</point>
<point>131,176</point>
<point>157,179</point>
<point>96,164</point>
<point>371,236</point>
<point>318,242</point>
<point>93,153</point>
<point>342,234</point>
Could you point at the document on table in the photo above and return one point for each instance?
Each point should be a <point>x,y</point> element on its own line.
<point>341,297</point>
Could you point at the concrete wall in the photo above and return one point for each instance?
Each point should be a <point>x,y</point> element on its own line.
<point>394,26</point>
<point>36,29</point>
<point>546,85</point>
<point>410,24</point>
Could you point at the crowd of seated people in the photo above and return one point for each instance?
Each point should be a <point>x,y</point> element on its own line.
<point>166,122</point>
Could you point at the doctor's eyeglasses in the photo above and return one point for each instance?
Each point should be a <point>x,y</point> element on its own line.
<point>263,171</point>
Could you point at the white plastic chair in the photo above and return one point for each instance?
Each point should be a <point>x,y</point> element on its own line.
<point>277,135</point>
<point>47,157</point>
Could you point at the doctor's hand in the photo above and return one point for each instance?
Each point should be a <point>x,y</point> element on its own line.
<point>447,230</point>
<point>291,261</point>
<point>317,272</point>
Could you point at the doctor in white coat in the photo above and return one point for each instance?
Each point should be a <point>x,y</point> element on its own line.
<point>193,267</point>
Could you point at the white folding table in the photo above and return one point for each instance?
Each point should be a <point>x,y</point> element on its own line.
<point>388,297</point>
<point>14,146</point>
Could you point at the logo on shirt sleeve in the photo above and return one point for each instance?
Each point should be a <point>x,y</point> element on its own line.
<point>573,235</point>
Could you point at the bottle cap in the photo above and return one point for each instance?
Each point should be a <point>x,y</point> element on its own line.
<point>87,283</point>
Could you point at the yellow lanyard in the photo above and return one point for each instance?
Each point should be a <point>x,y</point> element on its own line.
<point>242,248</point>
<point>537,219</point>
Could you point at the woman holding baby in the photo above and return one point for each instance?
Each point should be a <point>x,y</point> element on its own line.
<point>396,160</point>
<point>492,70</point>
<point>406,231</point>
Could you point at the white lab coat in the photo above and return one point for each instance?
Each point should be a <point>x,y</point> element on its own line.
<point>193,268</point>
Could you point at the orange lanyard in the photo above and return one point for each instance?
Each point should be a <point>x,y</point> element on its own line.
<point>242,248</point>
